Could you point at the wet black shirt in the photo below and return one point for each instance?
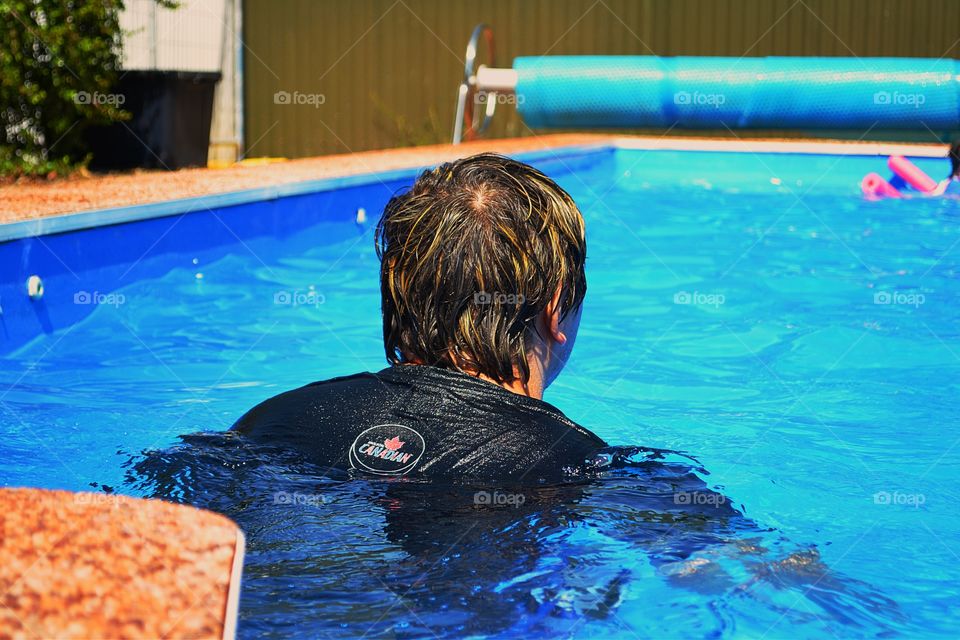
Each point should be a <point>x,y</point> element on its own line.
<point>421,421</point>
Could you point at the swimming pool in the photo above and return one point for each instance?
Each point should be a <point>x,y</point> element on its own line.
<point>748,310</point>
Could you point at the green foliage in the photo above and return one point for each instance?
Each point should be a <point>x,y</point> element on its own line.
<point>59,60</point>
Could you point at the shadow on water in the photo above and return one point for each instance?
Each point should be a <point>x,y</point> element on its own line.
<point>330,555</point>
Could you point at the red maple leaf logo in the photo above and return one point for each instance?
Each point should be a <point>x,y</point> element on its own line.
<point>393,443</point>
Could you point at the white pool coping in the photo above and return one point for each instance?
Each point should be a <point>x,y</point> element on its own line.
<point>816,147</point>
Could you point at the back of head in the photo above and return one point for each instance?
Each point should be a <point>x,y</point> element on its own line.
<point>470,256</point>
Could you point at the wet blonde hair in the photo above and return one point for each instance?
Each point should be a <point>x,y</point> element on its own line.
<point>470,256</point>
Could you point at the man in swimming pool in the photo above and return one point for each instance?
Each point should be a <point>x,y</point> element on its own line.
<point>482,283</point>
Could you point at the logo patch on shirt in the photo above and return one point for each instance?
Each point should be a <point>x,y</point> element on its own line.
<point>387,450</point>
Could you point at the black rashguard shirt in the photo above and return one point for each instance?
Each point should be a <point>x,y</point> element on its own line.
<point>421,421</point>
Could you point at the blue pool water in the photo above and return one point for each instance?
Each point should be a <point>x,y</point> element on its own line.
<point>793,348</point>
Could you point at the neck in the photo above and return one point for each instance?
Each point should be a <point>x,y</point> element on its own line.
<point>531,389</point>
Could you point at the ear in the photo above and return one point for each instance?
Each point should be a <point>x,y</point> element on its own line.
<point>551,318</point>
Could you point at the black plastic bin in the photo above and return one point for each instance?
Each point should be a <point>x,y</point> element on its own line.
<point>169,126</point>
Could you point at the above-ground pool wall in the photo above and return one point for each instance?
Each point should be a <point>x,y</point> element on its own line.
<point>82,258</point>
<point>79,268</point>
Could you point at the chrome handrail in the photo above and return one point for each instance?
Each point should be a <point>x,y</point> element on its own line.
<point>465,126</point>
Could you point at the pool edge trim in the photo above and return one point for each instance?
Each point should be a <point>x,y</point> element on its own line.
<point>805,147</point>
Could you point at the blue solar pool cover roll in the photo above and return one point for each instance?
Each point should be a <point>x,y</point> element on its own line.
<point>774,92</point>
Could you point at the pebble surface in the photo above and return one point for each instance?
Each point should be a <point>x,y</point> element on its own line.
<point>92,565</point>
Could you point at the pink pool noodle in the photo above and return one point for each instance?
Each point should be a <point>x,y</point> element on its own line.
<point>911,174</point>
<point>874,186</point>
